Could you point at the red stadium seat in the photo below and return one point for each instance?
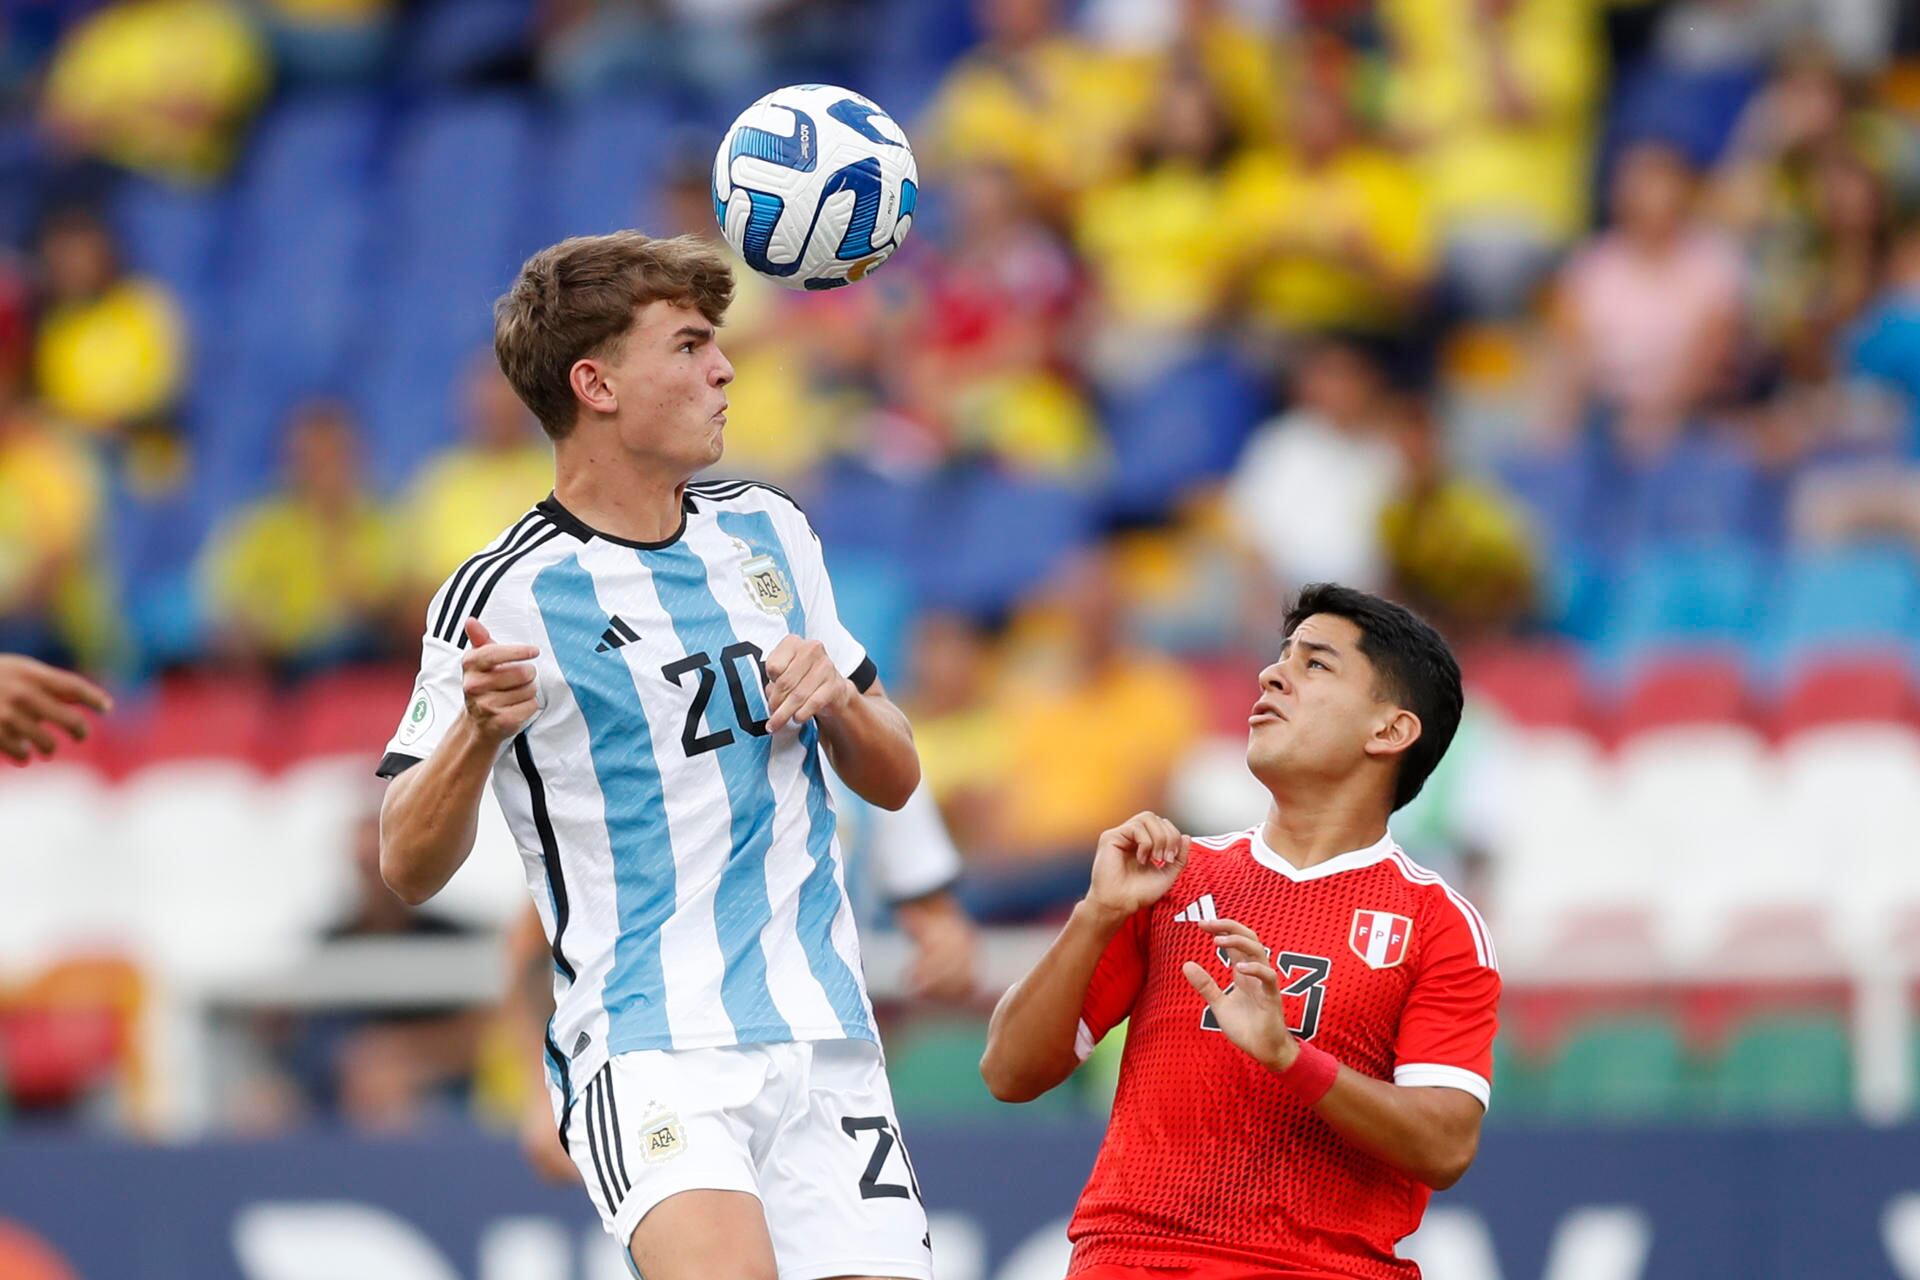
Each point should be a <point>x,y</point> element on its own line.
<point>1857,690</point>
<point>343,713</point>
<point>1536,686</point>
<point>1232,685</point>
<point>1697,689</point>
<point>196,718</point>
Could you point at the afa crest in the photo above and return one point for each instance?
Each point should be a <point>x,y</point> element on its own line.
<point>767,585</point>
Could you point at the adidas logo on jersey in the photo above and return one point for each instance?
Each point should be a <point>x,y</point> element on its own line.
<point>1199,909</point>
<point>616,636</point>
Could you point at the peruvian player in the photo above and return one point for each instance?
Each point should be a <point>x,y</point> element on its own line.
<point>1312,1014</point>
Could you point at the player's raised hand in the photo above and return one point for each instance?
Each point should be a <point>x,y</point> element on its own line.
<point>1135,863</point>
<point>498,681</point>
<point>36,699</point>
<point>1250,1012</point>
<point>803,683</point>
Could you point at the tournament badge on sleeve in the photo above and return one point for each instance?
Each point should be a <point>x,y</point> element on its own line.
<point>1380,938</point>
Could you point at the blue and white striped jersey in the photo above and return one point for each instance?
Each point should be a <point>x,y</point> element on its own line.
<point>682,858</point>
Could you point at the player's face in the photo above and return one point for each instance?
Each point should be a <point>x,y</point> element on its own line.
<point>1317,712</point>
<point>671,381</point>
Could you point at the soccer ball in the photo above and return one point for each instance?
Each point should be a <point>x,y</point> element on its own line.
<point>814,186</point>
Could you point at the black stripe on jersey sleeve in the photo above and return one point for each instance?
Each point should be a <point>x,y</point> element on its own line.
<point>864,675</point>
<point>460,582</point>
<point>395,763</point>
<point>528,538</point>
<point>486,592</point>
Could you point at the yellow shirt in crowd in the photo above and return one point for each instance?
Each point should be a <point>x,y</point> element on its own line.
<point>159,86</point>
<point>1475,163</point>
<point>112,360</point>
<point>1157,244</point>
<point>1297,225</point>
<point>465,498</point>
<point>293,580</point>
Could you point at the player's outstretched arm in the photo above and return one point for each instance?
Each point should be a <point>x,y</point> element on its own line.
<point>1030,1042</point>
<point>1427,1132</point>
<point>432,811</point>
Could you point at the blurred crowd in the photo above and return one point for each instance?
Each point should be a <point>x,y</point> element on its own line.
<point>1468,301</point>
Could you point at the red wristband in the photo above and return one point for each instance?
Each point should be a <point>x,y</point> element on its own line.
<point>1311,1074</point>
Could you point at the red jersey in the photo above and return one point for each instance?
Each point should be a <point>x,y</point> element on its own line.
<point>1207,1157</point>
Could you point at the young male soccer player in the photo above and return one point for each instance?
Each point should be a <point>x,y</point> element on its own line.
<point>1291,1124</point>
<point>647,669</point>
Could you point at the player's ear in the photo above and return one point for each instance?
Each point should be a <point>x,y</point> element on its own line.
<point>590,386</point>
<point>1394,733</point>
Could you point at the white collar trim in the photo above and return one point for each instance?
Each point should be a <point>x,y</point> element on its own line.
<point>1379,851</point>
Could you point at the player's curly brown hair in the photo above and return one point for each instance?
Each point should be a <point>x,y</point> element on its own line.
<point>578,298</point>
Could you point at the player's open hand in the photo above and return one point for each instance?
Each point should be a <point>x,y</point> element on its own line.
<point>36,699</point>
<point>803,683</point>
<point>1135,863</point>
<point>498,680</point>
<point>1250,1011</point>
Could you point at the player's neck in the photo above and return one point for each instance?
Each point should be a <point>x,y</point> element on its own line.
<point>612,496</point>
<point>1309,830</point>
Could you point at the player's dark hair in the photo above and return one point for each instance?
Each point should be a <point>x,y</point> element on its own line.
<point>1415,667</point>
<point>578,298</point>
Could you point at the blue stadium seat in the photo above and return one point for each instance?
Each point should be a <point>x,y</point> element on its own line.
<point>453,40</point>
<point>983,539</point>
<point>1852,600</point>
<point>608,156</point>
<point>151,543</point>
<point>1695,110</point>
<point>1702,490</point>
<point>852,505</point>
<point>1182,427</point>
<point>1560,490</point>
<point>454,228</point>
<point>1697,598</point>
<point>171,234</point>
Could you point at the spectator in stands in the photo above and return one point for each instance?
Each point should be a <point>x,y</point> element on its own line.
<point>954,724</point>
<point>1336,230</point>
<point>1457,549</point>
<point>987,364</point>
<point>384,1071</point>
<point>1876,491</point>
<point>1497,97</point>
<point>309,575</point>
<point>110,355</point>
<point>1312,485</point>
<point>1155,238</point>
<point>161,87</point>
<point>51,593</point>
<point>1091,726</point>
<point>1037,98</point>
<point>1649,314</point>
<point>468,494</point>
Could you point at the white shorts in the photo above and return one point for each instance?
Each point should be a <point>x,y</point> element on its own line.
<point>807,1127</point>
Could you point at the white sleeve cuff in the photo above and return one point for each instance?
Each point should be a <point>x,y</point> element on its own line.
<point>1083,1041</point>
<point>1438,1075</point>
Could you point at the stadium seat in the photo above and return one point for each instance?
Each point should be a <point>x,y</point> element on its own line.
<point>454,227</point>
<point>343,713</point>
<point>194,718</point>
<point>1822,692</point>
<point>1842,791</point>
<point>1784,1065</point>
<point>607,161</point>
<point>1684,599</point>
<point>850,504</point>
<point>172,234</point>
<point>983,539</point>
<point>1695,689</point>
<point>1703,490</point>
<point>1535,686</point>
<point>1624,1069</point>
<point>1185,425</point>
<point>53,818</point>
<point>1518,1082</point>
<point>453,40</point>
<point>1856,600</point>
<point>1694,108</point>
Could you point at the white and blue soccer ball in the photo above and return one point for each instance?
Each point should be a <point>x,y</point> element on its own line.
<point>814,186</point>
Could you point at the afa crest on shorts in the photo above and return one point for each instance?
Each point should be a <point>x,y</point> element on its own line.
<point>767,585</point>
<point>1380,938</point>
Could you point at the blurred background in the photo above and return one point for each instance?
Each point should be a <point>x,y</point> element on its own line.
<point>1590,329</point>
